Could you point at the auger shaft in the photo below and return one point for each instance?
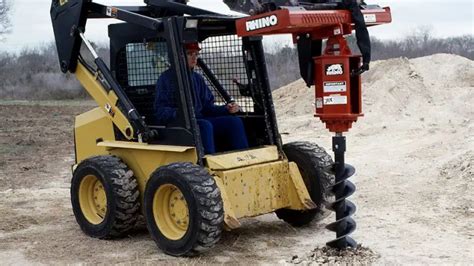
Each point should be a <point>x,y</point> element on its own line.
<point>339,148</point>
<point>342,189</point>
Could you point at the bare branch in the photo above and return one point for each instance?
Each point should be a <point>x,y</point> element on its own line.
<point>5,24</point>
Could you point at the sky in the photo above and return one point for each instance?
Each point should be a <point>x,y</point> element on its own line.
<point>32,25</point>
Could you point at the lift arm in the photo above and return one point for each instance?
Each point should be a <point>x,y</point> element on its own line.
<point>69,19</point>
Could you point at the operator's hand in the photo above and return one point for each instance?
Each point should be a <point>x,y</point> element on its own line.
<point>232,107</point>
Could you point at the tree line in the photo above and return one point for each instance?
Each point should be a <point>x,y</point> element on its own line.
<point>34,74</point>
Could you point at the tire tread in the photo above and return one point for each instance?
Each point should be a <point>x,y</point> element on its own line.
<point>125,193</point>
<point>322,162</point>
<point>208,200</point>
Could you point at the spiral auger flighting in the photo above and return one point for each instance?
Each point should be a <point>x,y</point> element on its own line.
<point>344,224</point>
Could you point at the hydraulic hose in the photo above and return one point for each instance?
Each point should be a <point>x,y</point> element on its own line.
<point>362,34</point>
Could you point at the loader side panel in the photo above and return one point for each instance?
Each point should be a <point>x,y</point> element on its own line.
<point>259,189</point>
<point>257,181</point>
<point>143,162</point>
<point>92,127</point>
<point>238,159</point>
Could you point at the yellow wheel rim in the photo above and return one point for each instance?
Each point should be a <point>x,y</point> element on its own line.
<point>92,199</point>
<point>171,212</point>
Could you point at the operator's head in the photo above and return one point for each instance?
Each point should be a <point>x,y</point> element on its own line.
<point>192,53</point>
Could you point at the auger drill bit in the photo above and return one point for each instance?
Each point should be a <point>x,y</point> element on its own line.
<point>342,189</point>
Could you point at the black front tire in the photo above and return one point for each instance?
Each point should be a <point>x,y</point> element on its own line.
<point>203,204</point>
<point>115,183</point>
<point>316,167</point>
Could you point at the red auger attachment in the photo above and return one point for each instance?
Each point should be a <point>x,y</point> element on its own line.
<point>338,87</point>
<point>335,73</point>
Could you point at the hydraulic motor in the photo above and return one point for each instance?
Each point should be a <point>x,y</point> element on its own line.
<point>338,87</point>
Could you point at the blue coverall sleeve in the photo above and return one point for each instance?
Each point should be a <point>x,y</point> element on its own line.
<point>209,108</point>
<point>164,105</point>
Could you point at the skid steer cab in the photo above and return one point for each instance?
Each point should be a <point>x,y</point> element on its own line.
<point>128,165</point>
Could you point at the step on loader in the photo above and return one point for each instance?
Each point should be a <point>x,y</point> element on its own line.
<point>126,165</point>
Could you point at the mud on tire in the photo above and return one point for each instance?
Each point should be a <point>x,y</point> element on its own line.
<point>113,183</point>
<point>180,188</point>
<point>316,167</point>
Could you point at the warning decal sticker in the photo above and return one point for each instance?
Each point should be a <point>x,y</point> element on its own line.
<point>336,86</point>
<point>319,102</point>
<point>370,18</point>
<point>335,100</point>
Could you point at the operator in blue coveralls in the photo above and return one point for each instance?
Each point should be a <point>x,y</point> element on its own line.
<point>215,121</point>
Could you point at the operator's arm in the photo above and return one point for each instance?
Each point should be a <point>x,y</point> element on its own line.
<point>165,104</point>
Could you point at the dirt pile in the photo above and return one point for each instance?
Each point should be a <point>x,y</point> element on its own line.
<point>413,153</point>
<point>319,256</point>
<point>458,173</point>
<point>460,168</point>
<point>397,87</point>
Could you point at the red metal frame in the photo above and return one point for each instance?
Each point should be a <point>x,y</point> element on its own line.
<point>337,91</point>
<point>320,24</point>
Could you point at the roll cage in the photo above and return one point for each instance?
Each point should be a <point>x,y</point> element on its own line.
<point>150,41</point>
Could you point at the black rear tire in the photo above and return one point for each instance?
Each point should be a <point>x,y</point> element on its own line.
<point>191,233</point>
<point>115,183</point>
<point>316,168</point>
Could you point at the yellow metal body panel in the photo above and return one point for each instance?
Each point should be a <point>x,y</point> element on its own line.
<point>107,101</point>
<point>143,162</point>
<point>142,146</point>
<point>230,218</point>
<point>92,127</point>
<point>256,190</point>
<point>298,193</point>
<point>260,189</point>
<point>242,158</point>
